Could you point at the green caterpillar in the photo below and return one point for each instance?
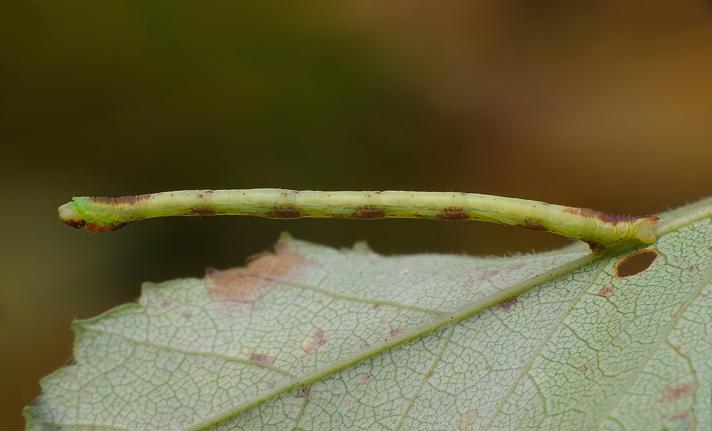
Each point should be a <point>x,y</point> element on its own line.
<point>600,230</point>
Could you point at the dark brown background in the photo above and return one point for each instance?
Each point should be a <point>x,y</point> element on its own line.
<point>603,104</point>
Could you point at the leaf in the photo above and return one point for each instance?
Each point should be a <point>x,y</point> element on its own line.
<point>309,337</point>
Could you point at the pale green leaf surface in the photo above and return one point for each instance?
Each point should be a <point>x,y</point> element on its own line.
<point>314,338</point>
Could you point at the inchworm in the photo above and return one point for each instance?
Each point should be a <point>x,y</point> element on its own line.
<point>600,230</point>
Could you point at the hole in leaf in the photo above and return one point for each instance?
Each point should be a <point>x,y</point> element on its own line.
<point>635,263</point>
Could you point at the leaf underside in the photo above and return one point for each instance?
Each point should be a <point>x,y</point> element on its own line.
<point>310,337</point>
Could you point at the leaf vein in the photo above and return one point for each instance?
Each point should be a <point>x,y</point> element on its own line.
<point>424,379</point>
<point>355,299</point>
<point>224,357</point>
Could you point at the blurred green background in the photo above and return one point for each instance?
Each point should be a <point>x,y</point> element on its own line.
<point>601,104</point>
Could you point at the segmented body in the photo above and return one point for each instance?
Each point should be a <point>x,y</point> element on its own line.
<point>599,229</point>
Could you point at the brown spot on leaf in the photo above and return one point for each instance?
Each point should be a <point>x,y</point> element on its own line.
<point>365,377</point>
<point>533,224</point>
<point>506,305</point>
<point>261,358</point>
<point>680,416</point>
<point>394,332</point>
<point>122,200</point>
<point>283,212</point>
<point>692,268</point>
<point>516,267</point>
<point>484,276</point>
<point>248,284</point>
<point>314,341</point>
<point>369,212</point>
<point>466,420</point>
<point>635,263</point>
<point>304,391</point>
<point>606,291</point>
<point>675,391</point>
<point>453,213</point>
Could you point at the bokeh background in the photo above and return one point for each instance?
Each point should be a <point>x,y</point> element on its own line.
<point>604,104</point>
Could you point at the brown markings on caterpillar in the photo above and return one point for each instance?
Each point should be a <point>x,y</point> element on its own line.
<point>533,224</point>
<point>608,218</point>
<point>122,200</point>
<point>94,227</point>
<point>249,284</point>
<point>369,212</point>
<point>76,224</point>
<point>283,212</point>
<point>453,213</point>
